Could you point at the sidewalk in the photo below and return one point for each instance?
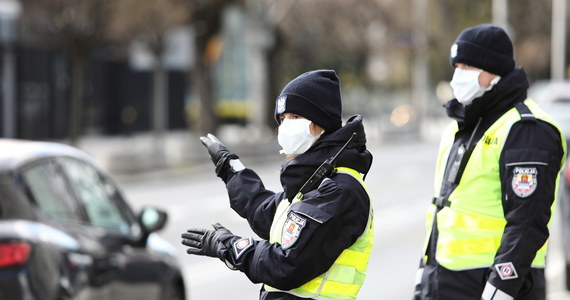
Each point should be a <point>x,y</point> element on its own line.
<point>142,155</point>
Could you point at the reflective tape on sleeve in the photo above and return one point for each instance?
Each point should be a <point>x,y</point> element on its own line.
<point>492,293</point>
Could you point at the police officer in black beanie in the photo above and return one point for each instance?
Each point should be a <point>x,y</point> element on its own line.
<point>495,180</point>
<point>314,243</point>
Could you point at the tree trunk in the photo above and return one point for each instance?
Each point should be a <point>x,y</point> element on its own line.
<point>207,121</point>
<point>208,15</point>
<point>274,86</point>
<point>159,108</point>
<point>76,106</point>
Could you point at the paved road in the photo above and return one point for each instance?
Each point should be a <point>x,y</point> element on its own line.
<point>400,182</point>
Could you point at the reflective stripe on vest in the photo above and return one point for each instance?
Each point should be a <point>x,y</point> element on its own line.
<point>471,228</point>
<point>345,277</point>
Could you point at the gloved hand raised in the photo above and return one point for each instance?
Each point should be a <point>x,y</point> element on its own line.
<point>219,154</point>
<point>201,241</point>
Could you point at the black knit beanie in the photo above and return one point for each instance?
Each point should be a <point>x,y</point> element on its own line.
<point>487,47</point>
<point>314,95</point>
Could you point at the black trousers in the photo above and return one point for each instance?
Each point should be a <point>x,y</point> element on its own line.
<point>439,283</point>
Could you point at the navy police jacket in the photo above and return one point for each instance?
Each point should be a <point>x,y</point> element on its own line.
<point>527,218</point>
<point>339,211</point>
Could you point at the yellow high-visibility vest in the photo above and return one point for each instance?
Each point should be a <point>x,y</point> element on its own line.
<point>345,277</point>
<point>471,227</point>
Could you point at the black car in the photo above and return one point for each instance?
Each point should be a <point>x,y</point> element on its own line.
<point>66,232</point>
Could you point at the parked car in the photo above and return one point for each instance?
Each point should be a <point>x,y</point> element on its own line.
<point>66,231</point>
<point>554,97</point>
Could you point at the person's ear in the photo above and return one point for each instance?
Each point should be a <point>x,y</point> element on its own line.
<point>315,129</point>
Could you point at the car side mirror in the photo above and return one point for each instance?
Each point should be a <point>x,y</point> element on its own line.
<point>152,219</point>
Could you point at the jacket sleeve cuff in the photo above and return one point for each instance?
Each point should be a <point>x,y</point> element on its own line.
<point>492,293</point>
<point>234,250</point>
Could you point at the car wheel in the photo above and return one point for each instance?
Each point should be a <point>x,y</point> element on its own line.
<point>567,276</point>
<point>173,292</point>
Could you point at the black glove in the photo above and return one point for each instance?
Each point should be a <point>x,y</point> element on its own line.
<point>201,241</point>
<point>219,154</point>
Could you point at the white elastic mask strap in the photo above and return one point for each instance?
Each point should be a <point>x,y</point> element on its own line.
<point>493,83</point>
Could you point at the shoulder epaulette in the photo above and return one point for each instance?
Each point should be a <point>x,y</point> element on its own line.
<point>525,113</point>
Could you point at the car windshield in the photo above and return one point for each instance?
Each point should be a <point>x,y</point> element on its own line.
<point>49,189</point>
<point>98,197</point>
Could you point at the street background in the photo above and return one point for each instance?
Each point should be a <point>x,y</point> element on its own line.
<point>135,83</point>
<point>75,70</point>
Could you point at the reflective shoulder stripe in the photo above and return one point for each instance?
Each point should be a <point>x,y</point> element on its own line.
<point>492,293</point>
<point>354,174</point>
<point>359,178</point>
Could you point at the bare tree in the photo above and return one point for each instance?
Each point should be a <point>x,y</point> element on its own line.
<point>531,24</point>
<point>149,22</point>
<point>342,34</point>
<point>76,27</point>
<point>206,19</point>
<point>529,28</point>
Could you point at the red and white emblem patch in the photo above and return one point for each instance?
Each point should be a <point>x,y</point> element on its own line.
<point>524,181</point>
<point>292,229</point>
<point>241,245</point>
<point>506,271</point>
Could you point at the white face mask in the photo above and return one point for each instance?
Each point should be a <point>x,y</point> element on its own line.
<point>465,85</point>
<point>294,136</point>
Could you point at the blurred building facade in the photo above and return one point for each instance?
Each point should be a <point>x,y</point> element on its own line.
<point>36,89</point>
<point>117,97</point>
<point>390,57</point>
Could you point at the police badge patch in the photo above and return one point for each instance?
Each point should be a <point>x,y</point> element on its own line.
<point>506,271</point>
<point>291,230</point>
<point>281,101</point>
<point>524,181</point>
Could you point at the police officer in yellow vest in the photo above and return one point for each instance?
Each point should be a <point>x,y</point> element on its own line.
<point>314,245</point>
<point>495,180</point>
